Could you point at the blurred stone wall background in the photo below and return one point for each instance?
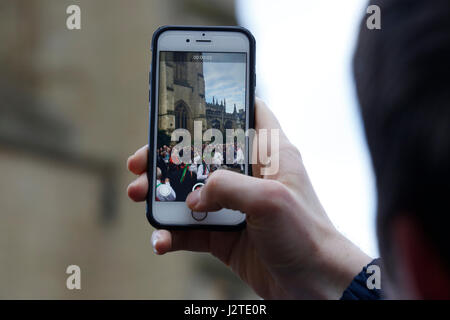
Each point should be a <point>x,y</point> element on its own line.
<point>73,107</point>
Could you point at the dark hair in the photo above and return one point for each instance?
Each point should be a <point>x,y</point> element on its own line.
<point>402,75</point>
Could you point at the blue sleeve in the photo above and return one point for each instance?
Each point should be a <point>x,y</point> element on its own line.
<point>358,289</point>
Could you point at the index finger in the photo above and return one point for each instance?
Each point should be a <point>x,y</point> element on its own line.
<point>137,163</point>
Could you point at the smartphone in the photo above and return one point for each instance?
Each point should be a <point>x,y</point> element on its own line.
<point>202,88</point>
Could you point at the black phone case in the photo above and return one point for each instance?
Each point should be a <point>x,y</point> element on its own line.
<point>151,155</point>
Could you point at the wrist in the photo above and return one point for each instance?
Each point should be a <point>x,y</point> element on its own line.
<point>340,260</point>
<point>333,264</point>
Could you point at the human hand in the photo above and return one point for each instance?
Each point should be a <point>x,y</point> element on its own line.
<point>289,249</point>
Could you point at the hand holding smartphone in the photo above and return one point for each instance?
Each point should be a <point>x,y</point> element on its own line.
<point>201,106</point>
<point>289,242</point>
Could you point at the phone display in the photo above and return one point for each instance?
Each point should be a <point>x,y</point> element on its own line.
<point>203,92</point>
<point>201,111</point>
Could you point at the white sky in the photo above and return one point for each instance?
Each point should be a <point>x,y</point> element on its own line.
<point>304,51</point>
<point>225,81</point>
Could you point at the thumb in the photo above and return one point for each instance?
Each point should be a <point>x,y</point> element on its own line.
<point>235,191</point>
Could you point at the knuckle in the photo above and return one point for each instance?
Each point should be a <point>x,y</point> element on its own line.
<point>276,194</point>
<point>275,189</point>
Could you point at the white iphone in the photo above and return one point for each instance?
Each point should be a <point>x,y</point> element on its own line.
<point>202,87</point>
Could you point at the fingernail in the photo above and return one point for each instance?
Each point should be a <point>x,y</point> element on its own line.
<point>155,239</point>
<point>128,162</point>
<point>141,148</point>
<point>193,198</point>
<point>132,184</point>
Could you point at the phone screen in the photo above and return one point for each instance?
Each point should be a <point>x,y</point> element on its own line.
<point>201,119</point>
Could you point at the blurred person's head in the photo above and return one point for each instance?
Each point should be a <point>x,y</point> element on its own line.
<point>402,77</point>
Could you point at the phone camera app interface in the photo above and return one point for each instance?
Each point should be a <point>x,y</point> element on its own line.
<point>201,119</point>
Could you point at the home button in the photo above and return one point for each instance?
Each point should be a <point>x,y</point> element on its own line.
<point>199,216</point>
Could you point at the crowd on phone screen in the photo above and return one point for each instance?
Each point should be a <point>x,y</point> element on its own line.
<point>176,179</point>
